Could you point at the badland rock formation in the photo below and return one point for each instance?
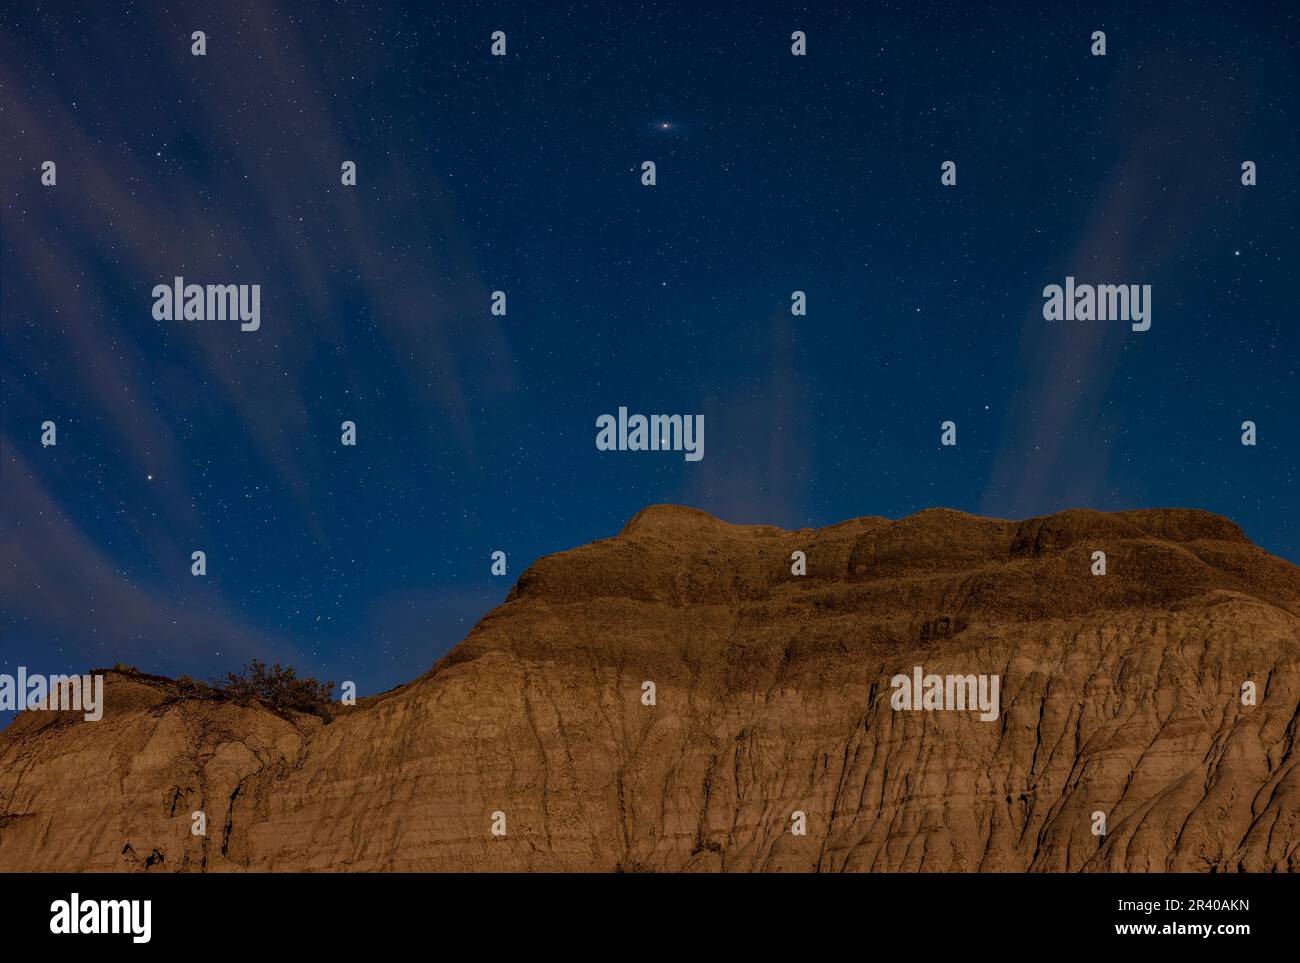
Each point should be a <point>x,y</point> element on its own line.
<point>1120,694</point>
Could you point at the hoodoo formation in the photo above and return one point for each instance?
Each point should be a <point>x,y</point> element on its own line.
<point>1161,695</point>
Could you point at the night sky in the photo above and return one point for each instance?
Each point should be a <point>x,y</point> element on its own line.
<point>522,173</point>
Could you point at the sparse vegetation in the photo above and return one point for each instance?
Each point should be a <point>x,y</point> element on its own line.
<point>194,689</point>
<point>706,846</point>
<point>277,687</point>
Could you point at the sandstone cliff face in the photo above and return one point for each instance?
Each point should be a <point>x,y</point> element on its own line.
<point>1120,694</point>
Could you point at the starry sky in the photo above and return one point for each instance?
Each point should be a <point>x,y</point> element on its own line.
<point>522,173</point>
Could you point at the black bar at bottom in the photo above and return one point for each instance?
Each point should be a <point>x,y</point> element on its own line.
<point>545,913</point>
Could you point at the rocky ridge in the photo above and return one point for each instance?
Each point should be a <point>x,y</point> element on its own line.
<point>1120,694</point>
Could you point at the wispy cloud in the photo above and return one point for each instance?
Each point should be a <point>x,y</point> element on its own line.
<point>209,195</point>
<point>58,584</point>
<point>1138,224</point>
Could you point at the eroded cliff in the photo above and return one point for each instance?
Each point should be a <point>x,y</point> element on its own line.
<point>1119,694</point>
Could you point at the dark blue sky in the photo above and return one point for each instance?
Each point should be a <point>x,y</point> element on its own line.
<point>522,173</point>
